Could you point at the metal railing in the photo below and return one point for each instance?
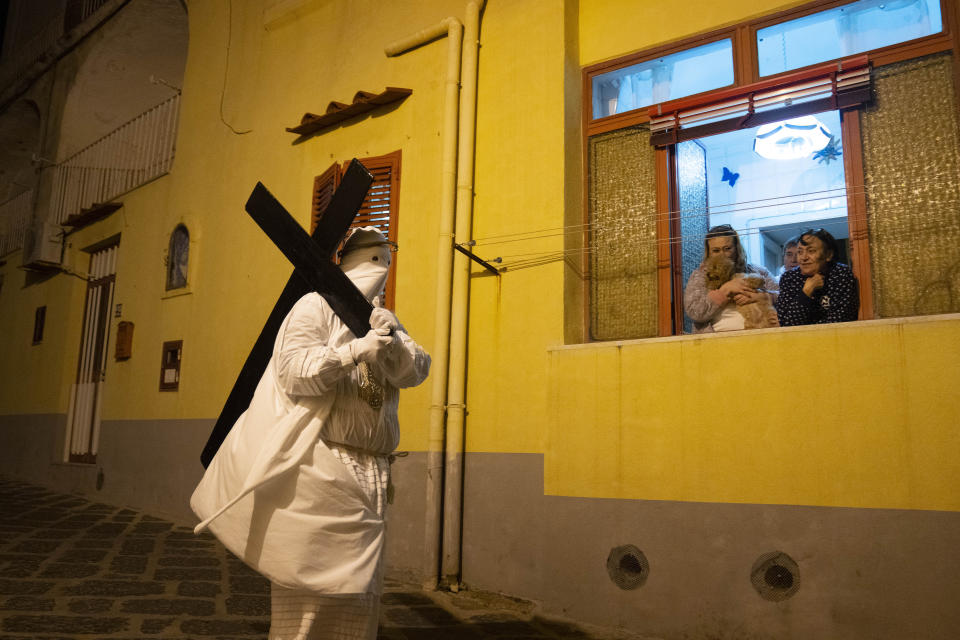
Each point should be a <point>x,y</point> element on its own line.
<point>62,18</point>
<point>15,216</point>
<point>124,159</point>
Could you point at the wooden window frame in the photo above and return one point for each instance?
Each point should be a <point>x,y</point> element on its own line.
<point>594,126</point>
<point>745,58</point>
<point>326,183</point>
<point>746,72</point>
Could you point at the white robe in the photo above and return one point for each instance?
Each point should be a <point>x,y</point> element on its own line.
<point>274,494</point>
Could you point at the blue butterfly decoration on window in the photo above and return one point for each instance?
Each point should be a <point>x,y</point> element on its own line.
<point>831,151</point>
<point>729,176</point>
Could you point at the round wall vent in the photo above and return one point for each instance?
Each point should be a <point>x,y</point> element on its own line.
<point>627,567</point>
<point>775,576</point>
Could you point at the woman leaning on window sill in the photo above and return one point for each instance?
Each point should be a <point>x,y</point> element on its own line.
<point>819,290</point>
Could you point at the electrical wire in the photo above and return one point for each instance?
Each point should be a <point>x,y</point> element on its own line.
<point>641,243</point>
<point>226,69</point>
<point>520,260</point>
<point>922,227</point>
<point>728,209</point>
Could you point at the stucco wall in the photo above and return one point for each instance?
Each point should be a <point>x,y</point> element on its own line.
<point>845,419</point>
<point>861,574</point>
<point>848,415</point>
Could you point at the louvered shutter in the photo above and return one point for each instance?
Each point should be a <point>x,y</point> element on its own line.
<point>379,208</point>
<point>323,187</point>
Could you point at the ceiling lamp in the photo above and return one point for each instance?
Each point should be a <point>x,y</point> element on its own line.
<point>791,139</point>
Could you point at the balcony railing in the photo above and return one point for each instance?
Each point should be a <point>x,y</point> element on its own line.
<point>124,159</point>
<point>43,45</point>
<point>15,215</point>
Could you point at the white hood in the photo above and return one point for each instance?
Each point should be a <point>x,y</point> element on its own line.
<point>367,265</point>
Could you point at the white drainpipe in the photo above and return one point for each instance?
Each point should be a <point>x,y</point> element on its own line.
<point>449,353</point>
<point>452,28</point>
<point>460,305</point>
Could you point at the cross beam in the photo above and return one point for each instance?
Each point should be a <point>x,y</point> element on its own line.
<point>314,271</point>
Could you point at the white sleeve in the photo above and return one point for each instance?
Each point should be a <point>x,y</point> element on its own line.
<point>406,364</point>
<point>306,364</point>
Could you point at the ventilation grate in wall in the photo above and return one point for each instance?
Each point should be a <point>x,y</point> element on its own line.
<point>775,576</point>
<point>628,567</point>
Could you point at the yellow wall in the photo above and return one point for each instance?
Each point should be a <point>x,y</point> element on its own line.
<point>520,186</point>
<point>235,275</point>
<point>279,67</point>
<point>37,378</point>
<point>613,421</point>
<point>278,71</point>
<point>878,428</point>
<point>854,415</point>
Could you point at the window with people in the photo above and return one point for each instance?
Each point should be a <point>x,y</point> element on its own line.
<point>796,196</point>
<point>726,293</point>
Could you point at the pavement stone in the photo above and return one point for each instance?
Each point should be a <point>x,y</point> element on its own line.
<point>71,568</point>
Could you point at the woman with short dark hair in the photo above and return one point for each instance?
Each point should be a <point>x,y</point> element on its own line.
<point>821,289</point>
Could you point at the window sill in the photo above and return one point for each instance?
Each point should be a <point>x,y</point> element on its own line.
<point>749,333</point>
<point>176,293</point>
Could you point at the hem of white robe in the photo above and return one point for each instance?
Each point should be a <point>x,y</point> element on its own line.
<point>300,614</point>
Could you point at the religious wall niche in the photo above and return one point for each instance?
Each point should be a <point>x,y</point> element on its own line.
<point>178,255</point>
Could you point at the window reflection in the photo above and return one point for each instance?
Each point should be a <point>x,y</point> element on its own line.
<point>177,258</point>
<point>844,31</point>
<point>661,79</point>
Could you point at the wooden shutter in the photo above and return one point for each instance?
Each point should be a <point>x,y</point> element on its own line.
<point>379,208</point>
<point>323,187</point>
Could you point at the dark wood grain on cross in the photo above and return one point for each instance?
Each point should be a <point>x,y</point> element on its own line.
<point>312,257</point>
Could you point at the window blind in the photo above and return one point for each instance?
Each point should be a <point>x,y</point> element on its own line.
<point>828,87</point>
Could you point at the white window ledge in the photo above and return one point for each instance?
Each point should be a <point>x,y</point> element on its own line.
<point>176,293</point>
<point>734,335</point>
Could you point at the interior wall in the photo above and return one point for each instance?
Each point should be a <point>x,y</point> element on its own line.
<point>770,193</point>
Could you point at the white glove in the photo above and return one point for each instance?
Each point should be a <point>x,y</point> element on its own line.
<point>383,321</point>
<point>365,349</point>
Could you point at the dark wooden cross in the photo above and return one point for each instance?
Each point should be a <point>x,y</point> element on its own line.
<point>312,257</point>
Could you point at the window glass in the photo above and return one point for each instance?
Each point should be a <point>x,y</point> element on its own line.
<point>623,235</point>
<point>661,79</point>
<point>177,258</point>
<point>911,164</point>
<point>771,195</point>
<point>769,183</point>
<point>848,30</point>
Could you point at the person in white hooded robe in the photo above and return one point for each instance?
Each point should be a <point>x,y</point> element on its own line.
<point>299,486</point>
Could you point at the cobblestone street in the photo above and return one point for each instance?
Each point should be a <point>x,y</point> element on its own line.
<point>71,568</point>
